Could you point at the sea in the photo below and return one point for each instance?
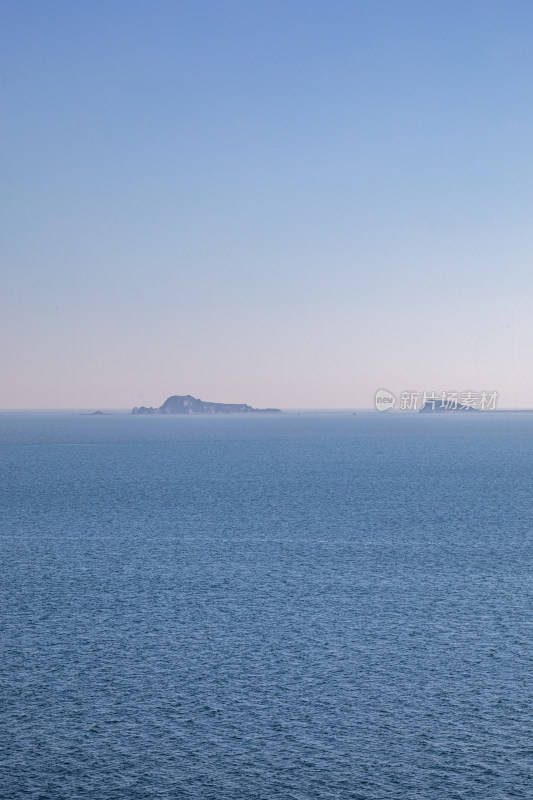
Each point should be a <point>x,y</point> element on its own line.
<point>304,606</point>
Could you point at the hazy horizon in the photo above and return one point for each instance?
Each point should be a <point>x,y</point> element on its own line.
<point>287,205</point>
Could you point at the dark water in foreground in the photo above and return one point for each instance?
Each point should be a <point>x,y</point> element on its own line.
<point>260,608</point>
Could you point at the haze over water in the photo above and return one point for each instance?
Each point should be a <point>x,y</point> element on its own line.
<point>314,606</point>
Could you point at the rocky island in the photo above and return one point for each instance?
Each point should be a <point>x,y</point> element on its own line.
<point>186,404</point>
<point>431,407</point>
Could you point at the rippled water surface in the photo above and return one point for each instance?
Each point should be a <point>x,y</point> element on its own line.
<point>253,608</point>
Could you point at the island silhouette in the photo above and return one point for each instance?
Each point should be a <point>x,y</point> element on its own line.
<point>187,404</point>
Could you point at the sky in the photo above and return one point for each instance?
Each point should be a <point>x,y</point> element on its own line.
<point>289,203</point>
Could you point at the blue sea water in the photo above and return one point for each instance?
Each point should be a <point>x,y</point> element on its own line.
<point>251,608</point>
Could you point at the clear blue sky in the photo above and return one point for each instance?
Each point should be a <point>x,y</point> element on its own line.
<point>281,203</point>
